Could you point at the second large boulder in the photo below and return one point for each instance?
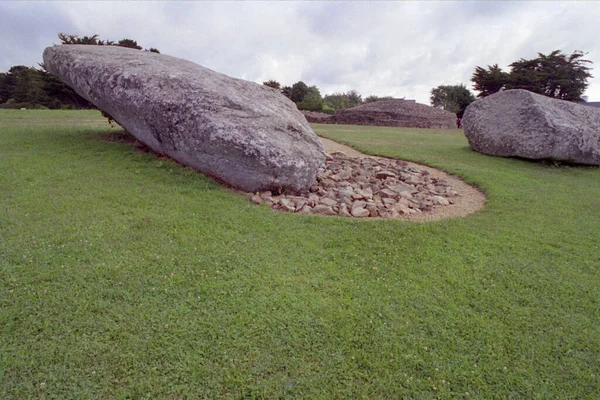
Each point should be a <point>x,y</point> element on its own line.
<point>519,123</point>
<point>245,134</point>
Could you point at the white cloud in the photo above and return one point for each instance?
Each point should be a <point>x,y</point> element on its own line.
<point>386,48</point>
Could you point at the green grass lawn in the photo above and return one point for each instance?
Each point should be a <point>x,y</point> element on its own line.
<point>125,276</point>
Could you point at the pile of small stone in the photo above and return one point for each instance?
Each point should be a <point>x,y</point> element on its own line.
<point>365,187</point>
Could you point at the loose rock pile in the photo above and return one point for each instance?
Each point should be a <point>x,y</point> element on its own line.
<point>365,187</point>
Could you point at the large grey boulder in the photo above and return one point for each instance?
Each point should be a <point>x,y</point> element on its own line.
<point>245,134</point>
<point>524,124</point>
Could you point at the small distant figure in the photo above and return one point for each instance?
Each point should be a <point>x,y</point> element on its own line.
<point>458,123</point>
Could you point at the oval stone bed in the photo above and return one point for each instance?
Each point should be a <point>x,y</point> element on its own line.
<point>352,184</point>
<point>462,198</point>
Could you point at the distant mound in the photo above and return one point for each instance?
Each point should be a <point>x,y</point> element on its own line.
<point>316,117</point>
<point>395,113</point>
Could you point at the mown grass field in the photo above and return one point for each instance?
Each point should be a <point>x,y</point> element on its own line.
<point>125,276</point>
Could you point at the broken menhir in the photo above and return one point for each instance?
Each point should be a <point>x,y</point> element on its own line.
<point>248,135</point>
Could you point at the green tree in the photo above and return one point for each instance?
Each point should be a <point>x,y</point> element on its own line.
<point>373,98</point>
<point>26,86</point>
<point>556,75</point>
<point>287,91</point>
<point>6,87</point>
<point>93,40</point>
<point>61,94</point>
<point>354,99</point>
<point>312,101</point>
<point>24,83</point>
<point>273,84</point>
<point>337,101</point>
<point>452,98</point>
<point>299,90</point>
<point>489,81</point>
<point>340,101</point>
<point>75,39</point>
<point>130,43</point>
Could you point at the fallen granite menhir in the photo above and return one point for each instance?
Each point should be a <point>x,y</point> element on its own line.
<point>519,123</point>
<point>245,134</point>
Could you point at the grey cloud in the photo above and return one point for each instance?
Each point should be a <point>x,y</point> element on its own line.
<point>382,48</point>
<point>25,28</point>
<point>335,19</point>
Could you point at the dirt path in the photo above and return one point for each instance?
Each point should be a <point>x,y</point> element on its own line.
<point>469,200</point>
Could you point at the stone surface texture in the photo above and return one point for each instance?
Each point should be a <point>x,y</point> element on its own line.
<point>365,188</point>
<point>524,124</point>
<point>245,134</point>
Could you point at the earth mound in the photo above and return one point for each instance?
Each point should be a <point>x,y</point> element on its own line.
<point>395,113</point>
<point>316,117</point>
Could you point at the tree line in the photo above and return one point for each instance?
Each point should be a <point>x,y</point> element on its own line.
<point>309,97</point>
<point>557,75</point>
<point>28,87</point>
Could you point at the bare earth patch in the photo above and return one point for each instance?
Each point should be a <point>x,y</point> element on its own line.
<point>468,201</point>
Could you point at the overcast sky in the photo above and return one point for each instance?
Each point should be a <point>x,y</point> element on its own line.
<point>400,49</point>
